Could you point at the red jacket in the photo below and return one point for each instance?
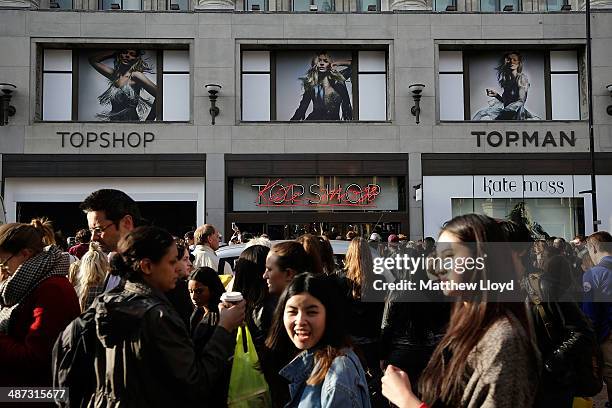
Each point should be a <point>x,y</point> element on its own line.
<point>25,353</point>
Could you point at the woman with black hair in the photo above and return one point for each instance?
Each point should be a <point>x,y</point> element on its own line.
<point>326,372</point>
<point>205,289</point>
<point>248,280</point>
<point>145,356</point>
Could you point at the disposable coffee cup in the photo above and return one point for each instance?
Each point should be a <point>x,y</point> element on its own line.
<point>231,297</point>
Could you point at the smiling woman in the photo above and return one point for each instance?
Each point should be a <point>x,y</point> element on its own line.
<point>327,372</point>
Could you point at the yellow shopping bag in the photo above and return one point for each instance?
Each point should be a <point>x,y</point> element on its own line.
<point>582,402</point>
<point>248,387</point>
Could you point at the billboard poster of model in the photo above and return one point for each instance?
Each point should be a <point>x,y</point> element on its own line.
<point>314,85</point>
<point>117,85</point>
<point>507,86</point>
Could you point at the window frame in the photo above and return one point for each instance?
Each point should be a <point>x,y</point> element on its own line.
<point>101,6</point>
<point>447,2</point>
<point>467,114</point>
<point>360,8</point>
<point>77,50</point>
<point>312,2</point>
<point>247,4</point>
<point>62,8</point>
<point>354,82</point>
<point>498,6</point>
<point>170,2</point>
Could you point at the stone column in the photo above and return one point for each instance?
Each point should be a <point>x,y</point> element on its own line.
<point>415,208</point>
<point>215,192</point>
<point>214,5</point>
<point>408,5</point>
<point>26,4</point>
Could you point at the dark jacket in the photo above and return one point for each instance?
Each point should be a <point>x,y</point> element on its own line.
<point>146,357</point>
<point>323,109</point>
<point>180,299</point>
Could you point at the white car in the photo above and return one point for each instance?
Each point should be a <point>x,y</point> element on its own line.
<point>231,253</point>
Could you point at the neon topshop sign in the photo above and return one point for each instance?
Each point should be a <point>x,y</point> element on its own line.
<point>275,193</point>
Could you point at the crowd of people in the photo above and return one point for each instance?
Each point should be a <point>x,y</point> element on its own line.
<point>163,332</point>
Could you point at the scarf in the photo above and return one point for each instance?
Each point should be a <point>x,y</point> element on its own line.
<point>50,262</point>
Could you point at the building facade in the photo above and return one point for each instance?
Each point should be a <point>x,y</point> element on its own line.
<point>315,128</point>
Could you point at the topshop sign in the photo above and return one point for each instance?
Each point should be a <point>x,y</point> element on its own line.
<point>105,140</point>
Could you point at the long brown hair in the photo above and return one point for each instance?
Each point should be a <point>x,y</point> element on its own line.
<point>358,265</point>
<point>312,246</point>
<point>444,377</point>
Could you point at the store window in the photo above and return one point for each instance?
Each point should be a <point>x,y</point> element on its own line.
<point>557,5</point>
<point>120,4</point>
<point>178,5</point>
<point>509,85</point>
<point>116,85</point>
<point>445,5</point>
<point>313,5</point>
<point>256,5</point>
<point>311,85</point>
<point>319,194</point>
<point>557,217</point>
<point>61,4</point>
<point>500,5</point>
<point>368,5</point>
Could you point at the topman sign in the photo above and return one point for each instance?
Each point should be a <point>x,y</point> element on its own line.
<point>525,138</point>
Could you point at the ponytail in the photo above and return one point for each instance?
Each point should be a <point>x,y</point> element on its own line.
<point>45,226</point>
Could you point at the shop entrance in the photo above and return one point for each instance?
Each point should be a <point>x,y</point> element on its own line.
<point>177,217</point>
<point>335,230</point>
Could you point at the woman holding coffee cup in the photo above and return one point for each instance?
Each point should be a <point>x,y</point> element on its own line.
<point>205,289</point>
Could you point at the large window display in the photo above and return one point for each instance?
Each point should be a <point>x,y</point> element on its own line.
<point>510,84</point>
<point>129,84</point>
<point>556,217</point>
<point>551,205</point>
<point>314,85</point>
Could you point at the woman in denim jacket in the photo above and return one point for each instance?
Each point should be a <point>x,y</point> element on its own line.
<point>327,372</point>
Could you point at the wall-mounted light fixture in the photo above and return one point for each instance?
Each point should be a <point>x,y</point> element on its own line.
<point>6,109</point>
<point>213,90</point>
<point>372,7</point>
<point>416,90</point>
<point>508,7</point>
<point>418,193</point>
<point>314,7</point>
<point>609,108</point>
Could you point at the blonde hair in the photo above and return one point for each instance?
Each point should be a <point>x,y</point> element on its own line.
<point>45,226</point>
<point>358,264</point>
<point>93,268</point>
<point>312,75</point>
<point>73,273</point>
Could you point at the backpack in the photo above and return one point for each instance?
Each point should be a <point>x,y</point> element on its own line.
<point>73,360</point>
<point>576,359</point>
<point>74,354</point>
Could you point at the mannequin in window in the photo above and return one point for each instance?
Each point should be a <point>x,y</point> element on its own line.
<point>324,86</point>
<point>126,80</point>
<point>510,105</point>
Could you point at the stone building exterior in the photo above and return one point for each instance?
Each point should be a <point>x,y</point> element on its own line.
<point>386,170</point>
